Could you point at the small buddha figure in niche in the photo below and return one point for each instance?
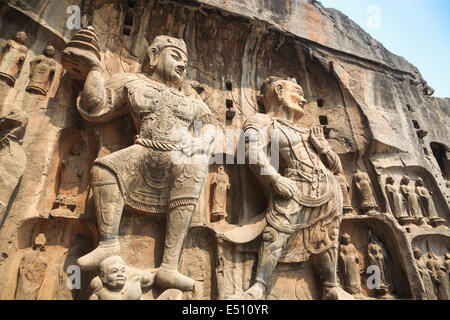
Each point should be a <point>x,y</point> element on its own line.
<point>349,265</point>
<point>365,192</point>
<point>72,172</point>
<point>426,202</point>
<point>12,58</point>
<point>221,185</point>
<point>42,72</point>
<point>32,270</point>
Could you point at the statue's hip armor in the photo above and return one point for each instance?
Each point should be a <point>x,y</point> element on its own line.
<point>152,178</point>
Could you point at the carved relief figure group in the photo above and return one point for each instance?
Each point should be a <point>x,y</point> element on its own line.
<point>164,170</point>
<point>42,68</point>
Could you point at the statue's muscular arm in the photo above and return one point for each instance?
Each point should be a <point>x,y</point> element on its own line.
<point>100,100</point>
<point>257,141</point>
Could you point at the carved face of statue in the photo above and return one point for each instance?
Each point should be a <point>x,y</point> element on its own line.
<point>49,51</point>
<point>345,239</point>
<point>171,64</point>
<point>389,180</point>
<point>76,149</point>
<point>405,180</point>
<point>419,182</point>
<point>113,275</point>
<point>220,169</point>
<point>417,253</point>
<point>21,37</point>
<point>290,95</point>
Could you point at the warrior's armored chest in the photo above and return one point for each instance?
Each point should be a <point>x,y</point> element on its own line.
<point>162,112</point>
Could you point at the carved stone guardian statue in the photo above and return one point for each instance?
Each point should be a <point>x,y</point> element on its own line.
<point>221,183</point>
<point>163,172</point>
<point>349,265</point>
<point>42,72</point>
<point>365,192</point>
<point>306,198</point>
<point>427,204</point>
<point>12,58</point>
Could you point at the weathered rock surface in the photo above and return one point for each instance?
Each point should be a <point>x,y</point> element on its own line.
<point>375,108</point>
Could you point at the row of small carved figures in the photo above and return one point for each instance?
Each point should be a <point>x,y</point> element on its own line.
<point>42,68</point>
<point>408,204</point>
<point>434,273</point>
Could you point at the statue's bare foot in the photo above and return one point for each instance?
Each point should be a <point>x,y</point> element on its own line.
<point>255,292</point>
<point>104,250</point>
<point>333,292</point>
<point>169,277</point>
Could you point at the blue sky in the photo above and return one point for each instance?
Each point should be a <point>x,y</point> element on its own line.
<point>418,30</point>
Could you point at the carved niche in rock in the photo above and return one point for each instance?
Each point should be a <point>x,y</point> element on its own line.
<point>365,192</point>
<point>163,172</point>
<point>42,72</point>
<point>221,186</point>
<point>12,58</point>
<point>73,170</point>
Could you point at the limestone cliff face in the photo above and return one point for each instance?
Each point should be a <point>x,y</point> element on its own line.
<point>375,105</point>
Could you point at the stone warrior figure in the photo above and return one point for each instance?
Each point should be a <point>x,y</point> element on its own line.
<point>222,185</point>
<point>42,71</point>
<point>306,199</point>
<point>364,187</point>
<point>156,174</point>
<point>12,58</point>
<point>349,265</point>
